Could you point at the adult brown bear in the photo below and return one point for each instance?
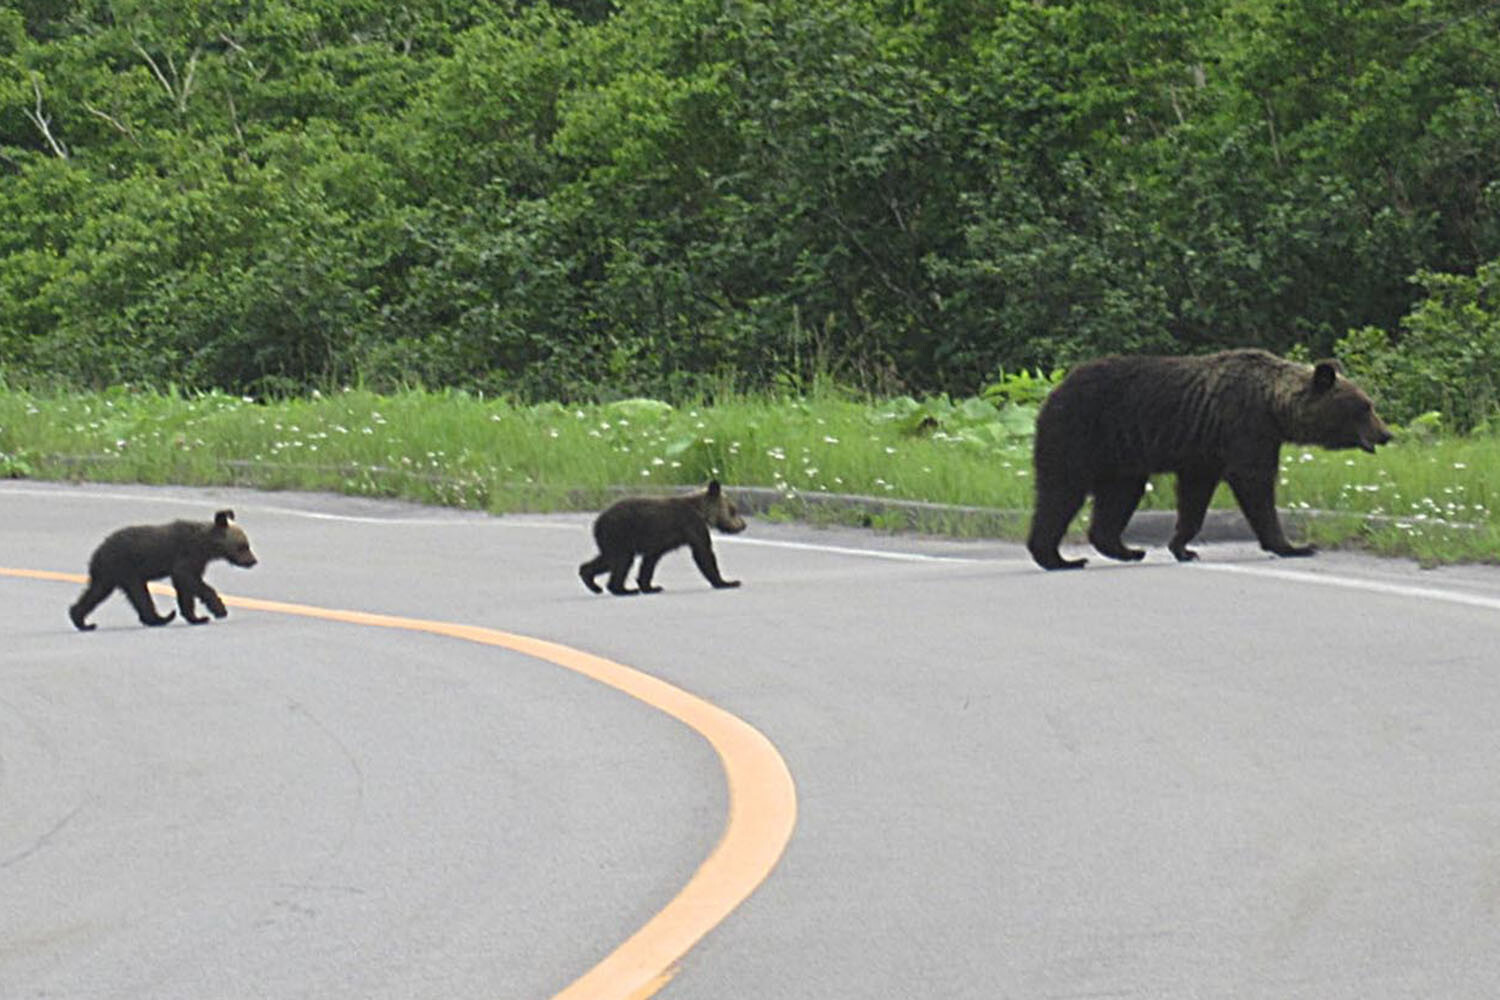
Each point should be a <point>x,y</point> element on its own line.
<point>1115,421</point>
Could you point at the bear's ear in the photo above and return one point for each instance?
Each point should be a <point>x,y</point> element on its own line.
<point>1324,375</point>
<point>222,519</point>
<point>713,489</point>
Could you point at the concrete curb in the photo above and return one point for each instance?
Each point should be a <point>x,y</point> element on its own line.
<point>1147,527</point>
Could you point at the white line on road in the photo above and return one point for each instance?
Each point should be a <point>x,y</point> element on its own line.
<point>1356,583</point>
<point>1294,576</point>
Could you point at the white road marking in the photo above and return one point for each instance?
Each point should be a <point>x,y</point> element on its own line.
<point>512,521</point>
<point>1356,583</point>
<point>499,521</point>
<point>314,515</point>
<point>844,550</point>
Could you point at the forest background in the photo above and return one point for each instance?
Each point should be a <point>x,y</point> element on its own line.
<point>591,200</point>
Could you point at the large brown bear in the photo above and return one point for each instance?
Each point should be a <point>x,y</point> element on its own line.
<point>650,527</point>
<point>131,556</point>
<point>1115,421</point>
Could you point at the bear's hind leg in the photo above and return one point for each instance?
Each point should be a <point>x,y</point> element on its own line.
<point>1115,500</point>
<point>619,569</point>
<point>91,598</point>
<point>141,599</point>
<point>1054,511</point>
<point>647,571</point>
<point>1195,489</point>
<point>591,569</point>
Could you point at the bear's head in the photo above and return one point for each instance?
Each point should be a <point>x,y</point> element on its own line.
<point>719,511</point>
<point>1331,411</point>
<point>230,541</point>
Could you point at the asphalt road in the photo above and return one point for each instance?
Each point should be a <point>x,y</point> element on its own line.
<point>1243,778</point>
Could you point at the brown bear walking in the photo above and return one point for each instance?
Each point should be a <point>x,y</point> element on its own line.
<point>1115,421</point>
<point>650,527</point>
<point>181,550</point>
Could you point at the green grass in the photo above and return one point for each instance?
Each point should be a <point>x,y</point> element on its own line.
<point>1431,499</point>
<point>457,449</point>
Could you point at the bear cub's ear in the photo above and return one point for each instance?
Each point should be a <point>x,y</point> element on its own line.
<point>222,519</point>
<point>1324,375</point>
<point>713,488</point>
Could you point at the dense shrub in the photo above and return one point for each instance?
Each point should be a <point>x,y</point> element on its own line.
<point>596,200</point>
<point>1445,356</point>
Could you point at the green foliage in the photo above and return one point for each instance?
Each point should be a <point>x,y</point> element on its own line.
<point>1435,498</point>
<point>459,448</point>
<point>1446,356</point>
<point>985,423</point>
<point>683,198</point>
<point>1023,388</point>
<point>15,466</point>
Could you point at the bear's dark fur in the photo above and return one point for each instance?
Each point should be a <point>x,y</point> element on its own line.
<point>650,527</point>
<point>1115,421</point>
<point>181,550</point>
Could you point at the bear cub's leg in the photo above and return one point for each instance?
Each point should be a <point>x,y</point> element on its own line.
<point>703,556</point>
<point>591,569</point>
<point>648,570</point>
<point>617,564</point>
<point>145,608</point>
<point>619,570</point>
<point>190,587</point>
<point>91,598</point>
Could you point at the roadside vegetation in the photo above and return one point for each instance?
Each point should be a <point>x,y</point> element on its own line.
<point>1431,497</point>
<point>602,199</point>
<point>815,228</point>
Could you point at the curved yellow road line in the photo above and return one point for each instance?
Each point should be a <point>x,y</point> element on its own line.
<point>762,796</point>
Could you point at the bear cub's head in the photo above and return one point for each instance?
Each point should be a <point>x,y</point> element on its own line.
<point>719,511</point>
<point>1336,413</point>
<point>229,541</point>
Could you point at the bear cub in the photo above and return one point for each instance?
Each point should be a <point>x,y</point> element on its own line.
<point>1115,421</point>
<point>650,527</point>
<point>131,556</point>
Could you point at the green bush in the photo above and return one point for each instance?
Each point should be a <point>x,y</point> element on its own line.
<point>1444,358</point>
<point>591,201</point>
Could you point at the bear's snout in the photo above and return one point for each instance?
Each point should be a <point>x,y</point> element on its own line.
<point>1374,435</point>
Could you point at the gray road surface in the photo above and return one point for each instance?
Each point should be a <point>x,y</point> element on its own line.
<point>1247,778</point>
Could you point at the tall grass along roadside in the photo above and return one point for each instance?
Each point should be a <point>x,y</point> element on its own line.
<point>1429,497</point>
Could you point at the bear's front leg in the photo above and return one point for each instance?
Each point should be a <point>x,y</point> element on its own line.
<point>1256,493</point>
<point>211,599</point>
<point>703,556</point>
<point>140,599</point>
<point>187,590</point>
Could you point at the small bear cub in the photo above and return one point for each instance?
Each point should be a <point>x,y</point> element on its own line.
<point>650,527</point>
<point>131,556</point>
